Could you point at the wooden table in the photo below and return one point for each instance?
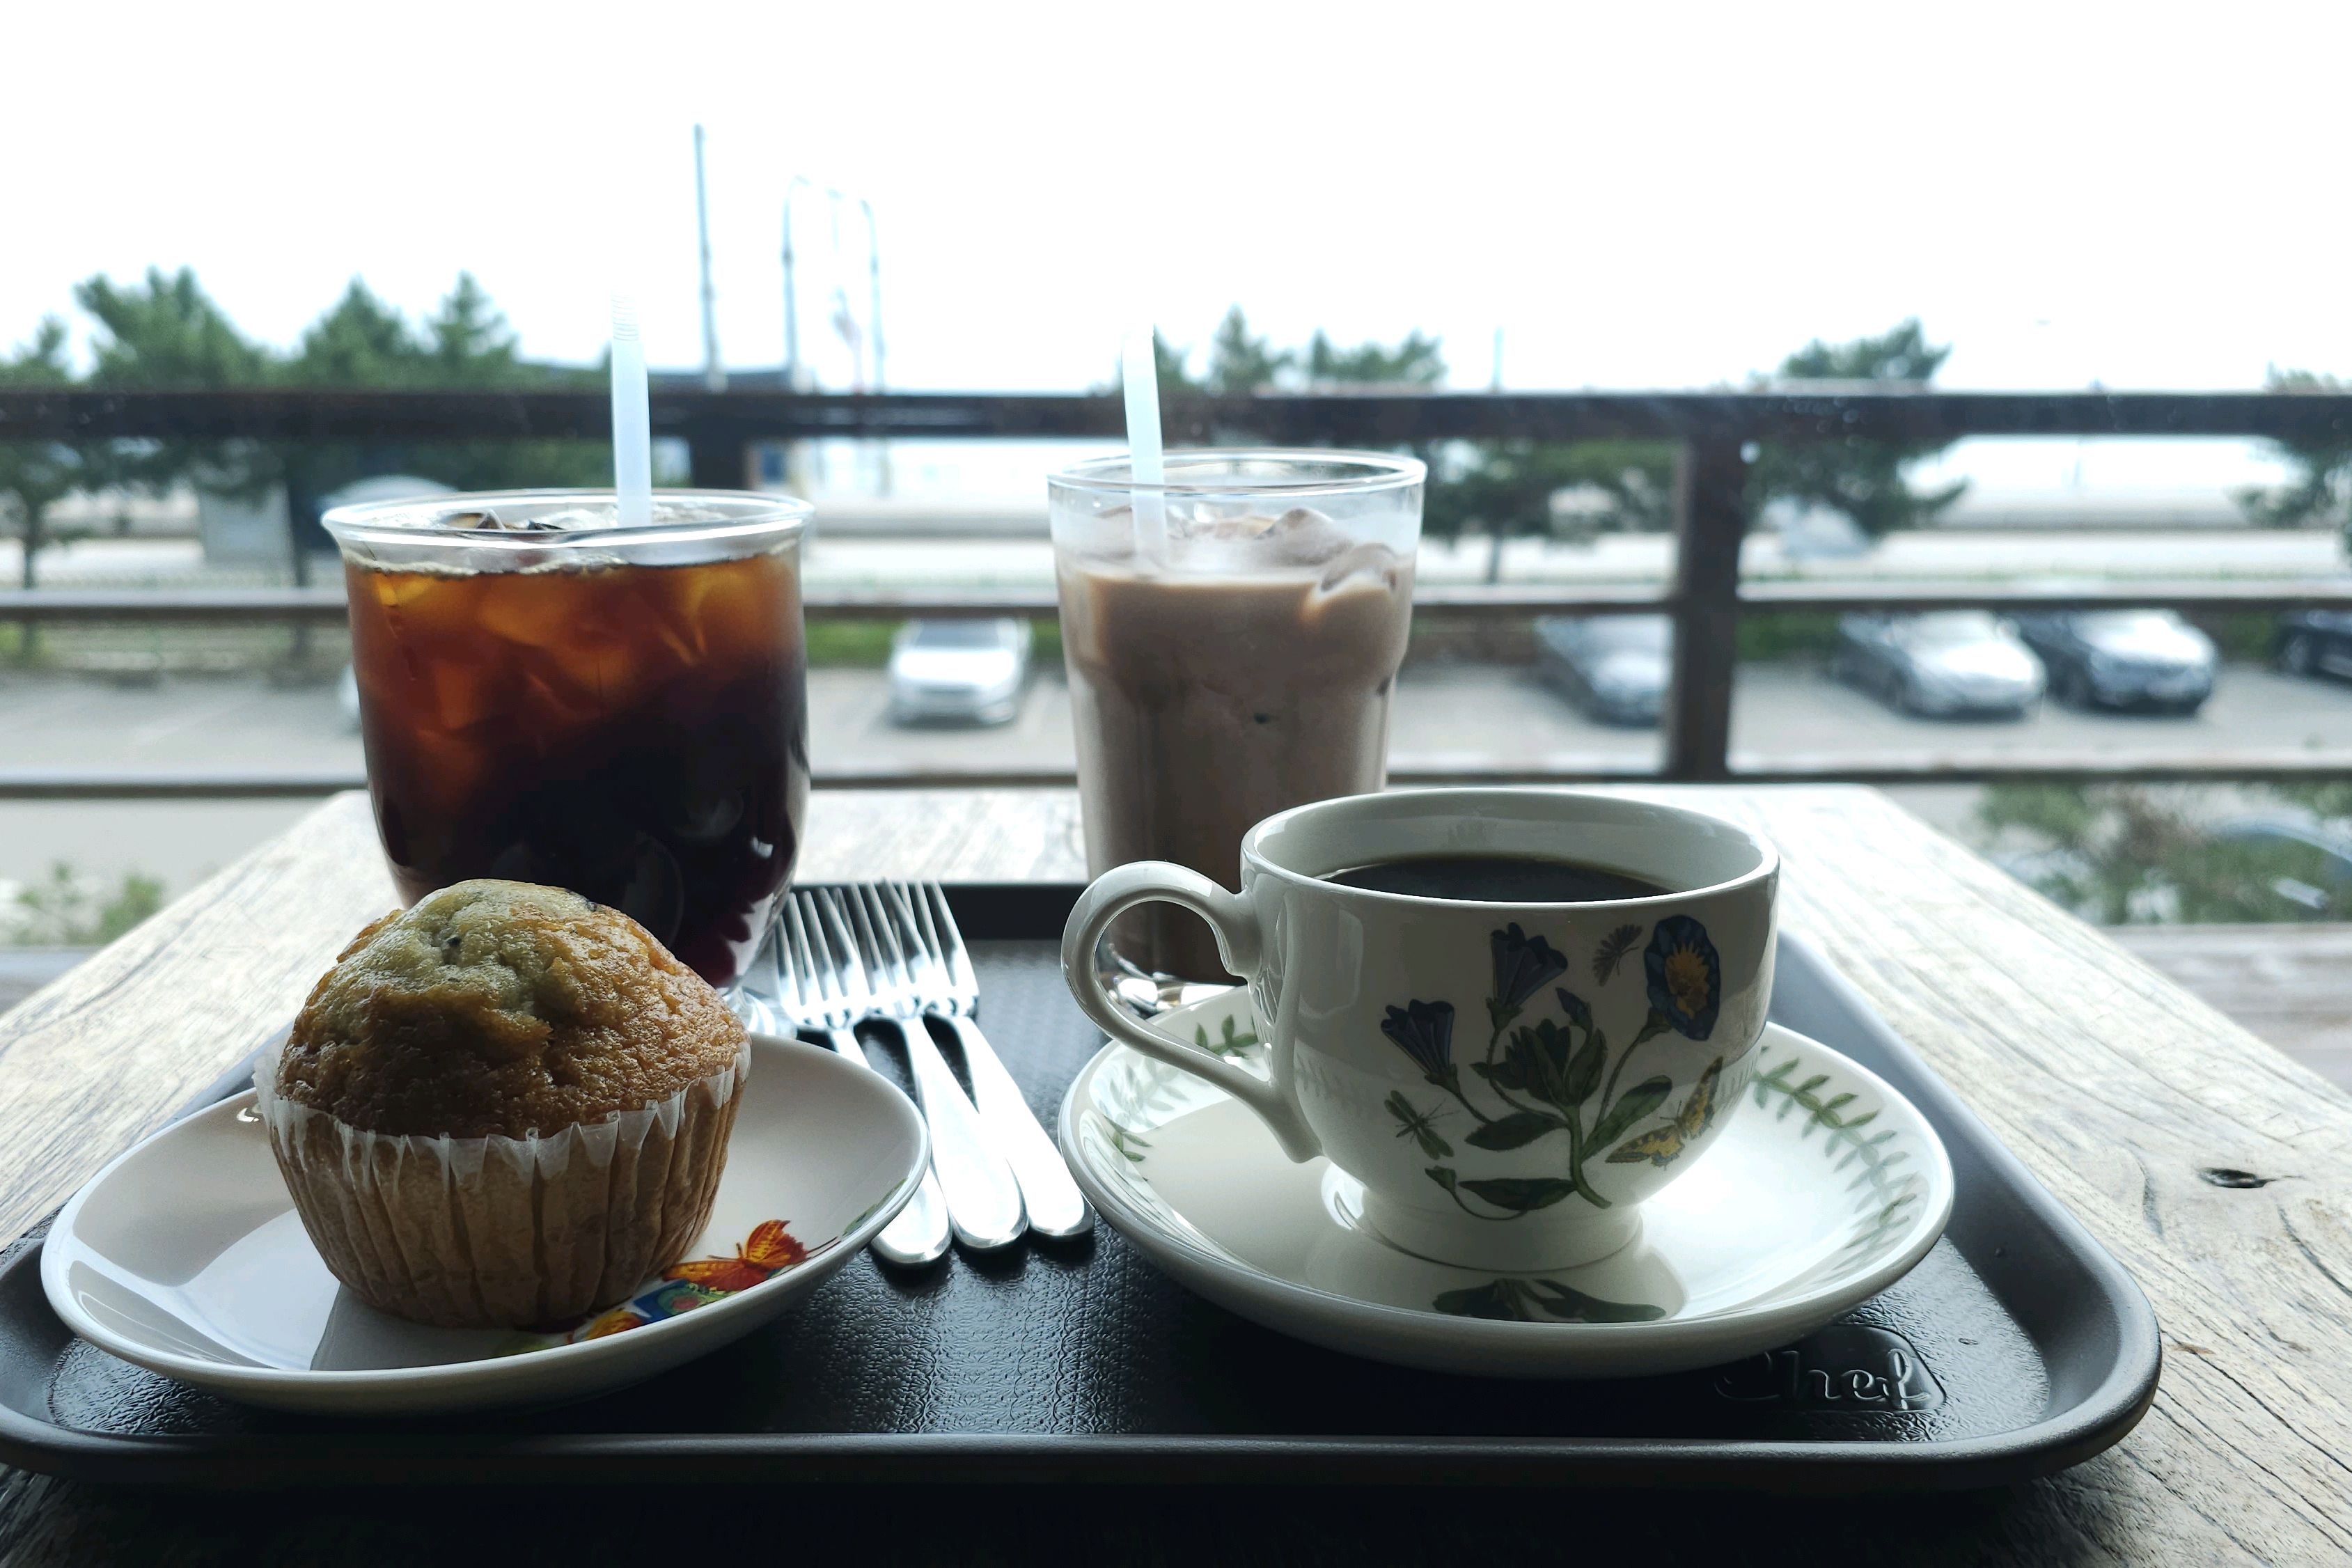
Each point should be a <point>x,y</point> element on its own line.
<point>2220,1173</point>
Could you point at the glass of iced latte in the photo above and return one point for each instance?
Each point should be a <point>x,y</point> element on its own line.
<point>1232,635</point>
<point>548,697</point>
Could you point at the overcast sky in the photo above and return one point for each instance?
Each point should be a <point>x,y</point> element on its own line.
<point>1640,196</point>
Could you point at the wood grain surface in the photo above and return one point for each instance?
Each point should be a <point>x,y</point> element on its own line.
<point>2290,984</point>
<point>2218,1172</point>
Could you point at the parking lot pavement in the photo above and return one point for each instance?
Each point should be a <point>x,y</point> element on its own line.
<point>77,721</point>
<point>1790,714</point>
<point>1447,716</point>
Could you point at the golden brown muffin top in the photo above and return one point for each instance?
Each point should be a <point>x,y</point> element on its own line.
<point>502,1007</point>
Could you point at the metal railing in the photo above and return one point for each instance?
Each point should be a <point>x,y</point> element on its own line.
<point>1717,433</point>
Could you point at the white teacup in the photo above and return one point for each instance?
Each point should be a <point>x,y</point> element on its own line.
<point>1508,1080</point>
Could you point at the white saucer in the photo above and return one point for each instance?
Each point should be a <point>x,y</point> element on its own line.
<point>185,1256</point>
<point>1825,1188</point>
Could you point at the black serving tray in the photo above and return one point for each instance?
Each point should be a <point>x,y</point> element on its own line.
<point>2024,1347</point>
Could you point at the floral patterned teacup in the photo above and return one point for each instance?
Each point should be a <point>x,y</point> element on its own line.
<point>1506,1080</point>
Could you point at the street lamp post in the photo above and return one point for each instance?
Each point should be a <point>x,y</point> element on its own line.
<point>796,378</point>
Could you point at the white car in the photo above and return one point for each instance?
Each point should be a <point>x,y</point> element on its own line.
<point>959,672</point>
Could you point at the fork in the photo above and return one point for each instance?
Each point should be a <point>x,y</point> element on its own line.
<point>983,1200</point>
<point>825,988</point>
<point>947,988</point>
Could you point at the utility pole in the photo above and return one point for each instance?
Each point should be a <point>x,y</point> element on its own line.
<point>792,294</point>
<point>796,378</point>
<point>797,454</point>
<point>714,374</point>
<point>874,281</point>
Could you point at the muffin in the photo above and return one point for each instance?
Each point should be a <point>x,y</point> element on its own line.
<point>503,1108</point>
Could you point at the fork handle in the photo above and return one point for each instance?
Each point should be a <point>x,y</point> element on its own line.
<point>918,1235</point>
<point>983,1200</point>
<point>1056,1206</point>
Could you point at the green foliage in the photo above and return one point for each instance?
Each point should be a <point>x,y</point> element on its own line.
<point>866,645</point>
<point>1169,360</point>
<point>68,910</point>
<point>849,645</point>
<point>466,345</point>
<point>1045,644</point>
<point>1806,633</point>
<point>2329,798</point>
<point>166,331</point>
<point>37,475</point>
<point>360,342</point>
<point>2121,853</point>
<point>1417,362</point>
<point>2322,489</point>
<point>1901,355</point>
<point>1241,362</point>
<point>1862,479</point>
<point>2242,635</point>
<point>1504,487</point>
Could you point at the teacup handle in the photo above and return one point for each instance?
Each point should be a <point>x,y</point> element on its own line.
<point>1120,890</point>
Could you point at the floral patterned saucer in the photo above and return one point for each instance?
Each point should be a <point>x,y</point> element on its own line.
<point>185,1256</point>
<point>1824,1188</point>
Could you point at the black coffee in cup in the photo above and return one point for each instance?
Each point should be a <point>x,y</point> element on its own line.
<point>1495,879</point>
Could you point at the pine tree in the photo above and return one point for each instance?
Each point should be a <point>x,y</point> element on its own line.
<point>1861,478</point>
<point>37,475</point>
<point>360,342</point>
<point>168,333</point>
<point>2322,487</point>
<point>1240,362</point>
<point>1415,361</point>
<point>468,340</point>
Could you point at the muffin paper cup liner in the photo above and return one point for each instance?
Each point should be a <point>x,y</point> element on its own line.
<point>498,1231</point>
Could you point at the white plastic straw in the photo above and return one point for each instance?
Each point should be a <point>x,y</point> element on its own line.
<point>633,439</point>
<point>1139,378</point>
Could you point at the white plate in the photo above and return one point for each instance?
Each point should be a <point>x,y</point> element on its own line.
<point>1826,1187</point>
<point>186,1254</point>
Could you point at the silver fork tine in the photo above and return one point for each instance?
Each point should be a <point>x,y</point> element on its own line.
<point>983,1199</point>
<point>845,969</point>
<point>1056,1206</point>
<point>935,907</point>
<point>884,970</point>
<point>799,961</point>
<point>918,1235</point>
<point>890,898</point>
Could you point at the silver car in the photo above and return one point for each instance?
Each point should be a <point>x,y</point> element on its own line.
<point>957,672</point>
<point>1943,665</point>
<point>2123,659</point>
<point>1613,666</point>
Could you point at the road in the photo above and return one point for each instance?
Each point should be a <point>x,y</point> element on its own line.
<point>1447,715</point>
<point>846,559</point>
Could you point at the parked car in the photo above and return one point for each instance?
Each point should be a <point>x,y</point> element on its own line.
<point>1946,664</point>
<point>1612,667</point>
<point>967,672</point>
<point>2123,659</point>
<point>2315,642</point>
